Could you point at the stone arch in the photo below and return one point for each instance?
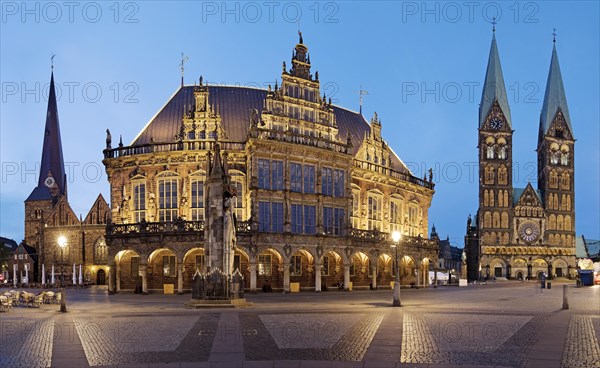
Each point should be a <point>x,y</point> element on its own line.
<point>518,268</point>
<point>161,268</point>
<point>269,268</point>
<point>302,267</point>
<point>567,223</point>
<point>100,251</point>
<point>359,269</point>
<point>496,219</point>
<point>539,266</point>
<point>127,269</point>
<point>497,268</point>
<point>487,219</point>
<point>332,268</point>
<point>504,220</point>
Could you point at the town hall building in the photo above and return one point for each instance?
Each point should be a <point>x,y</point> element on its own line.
<point>316,189</point>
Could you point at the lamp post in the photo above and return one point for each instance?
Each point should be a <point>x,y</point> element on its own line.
<point>62,243</point>
<point>396,235</point>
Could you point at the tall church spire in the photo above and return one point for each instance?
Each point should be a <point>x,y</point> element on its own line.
<point>52,168</point>
<point>555,99</point>
<point>493,88</point>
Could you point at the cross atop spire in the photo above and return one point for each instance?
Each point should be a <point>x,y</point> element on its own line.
<point>554,35</point>
<point>52,62</point>
<point>494,24</point>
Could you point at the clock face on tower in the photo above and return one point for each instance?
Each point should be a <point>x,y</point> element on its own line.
<point>49,182</point>
<point>529,231</point>
<point>496,124</point>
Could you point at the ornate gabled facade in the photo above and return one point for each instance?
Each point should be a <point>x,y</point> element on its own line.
<point>48,216</point>
<point>523,232</point>
<point>318,191</point>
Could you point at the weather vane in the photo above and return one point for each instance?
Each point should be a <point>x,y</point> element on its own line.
<point>183,60</point>
<point>52,61</point>
<point>494,24</point>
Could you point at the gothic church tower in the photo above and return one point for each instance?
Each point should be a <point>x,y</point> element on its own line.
<point>556,156</point>
<point>495,156</point>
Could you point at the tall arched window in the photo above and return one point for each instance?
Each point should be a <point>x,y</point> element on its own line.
<point>375,211</point>
<point>355,207</point>
<point>395,214</point>
<point>504,220</point>
<point>502,175</point>
<point>496,220</point>
<point>553,183</point>
<point>565,180</point>
<point>100,251</point>
<point>238,203</point>
<point>489,174</point>
<point>487,219</point>
<point>197,199</point>
<point>168,197</point>
<point>139,199</point>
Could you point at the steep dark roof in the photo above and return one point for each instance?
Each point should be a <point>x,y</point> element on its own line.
<point>493,87</point>
<point>555,97</point>
<point>52,154</point>
<point>234,104</point>
<point>8,243</point>
<point>30,250</point>
<point>40,193</point>
<point>518,192</point>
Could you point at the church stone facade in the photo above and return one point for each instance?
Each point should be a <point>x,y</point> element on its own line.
<point>523,232</point>
<point>48,217</point>
<point>318,191</point>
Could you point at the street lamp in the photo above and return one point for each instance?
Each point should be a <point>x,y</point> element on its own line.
<point>396,236</point>
<point>62,243</point>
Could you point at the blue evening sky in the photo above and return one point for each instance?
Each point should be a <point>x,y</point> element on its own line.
<point>423,64</point>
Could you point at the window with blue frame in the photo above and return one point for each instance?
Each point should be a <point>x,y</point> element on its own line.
<point>310,214</point>
<point>295,177</point>
<point>309,179</point>
<point>327,181</point>
<point>270,217</point>
<point>338,183</point>
<point>263,174</point>
<point>328,220</point>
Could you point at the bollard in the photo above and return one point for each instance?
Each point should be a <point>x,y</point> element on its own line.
<point>63,301</point>
<point>565,304</point>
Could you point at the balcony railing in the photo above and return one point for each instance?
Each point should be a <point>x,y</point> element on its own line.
<point>245,227</point>
<point>202,145</point>
<point>365,165</point>
<point>297,138</point>
<point>177,226</point>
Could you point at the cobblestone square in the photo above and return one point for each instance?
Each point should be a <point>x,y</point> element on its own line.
<point>505,324</point>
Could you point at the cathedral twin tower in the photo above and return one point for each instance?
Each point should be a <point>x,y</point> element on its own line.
<point>524,232</point>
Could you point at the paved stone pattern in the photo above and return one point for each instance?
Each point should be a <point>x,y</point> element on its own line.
<point>143,339</point>
<point>581,347</point>
<point>318,331</point>
<point>460,339</point>
<point>26,342</point>
<point>352,345</point>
